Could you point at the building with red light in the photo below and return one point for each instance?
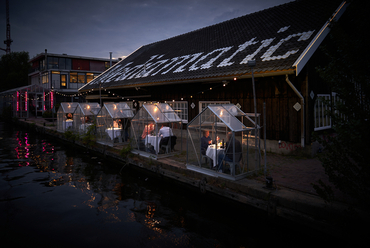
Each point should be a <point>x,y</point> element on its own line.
<point>54,78</point>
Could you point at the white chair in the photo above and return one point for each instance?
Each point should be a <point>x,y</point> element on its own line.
<point>238,158</point>
<point>170,144</point>
<point>206,158</point>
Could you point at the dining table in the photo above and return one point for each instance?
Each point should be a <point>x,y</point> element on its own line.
<point>113,132</point>
<point>154,141</point>
<point>68,124</point>
<point>212,153</point>
<point>84,127</point>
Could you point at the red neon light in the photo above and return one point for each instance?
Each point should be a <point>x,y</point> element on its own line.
<point>17,100</point>
<point>26,100</point>
<point>52,99</point>
<point>44,102</point>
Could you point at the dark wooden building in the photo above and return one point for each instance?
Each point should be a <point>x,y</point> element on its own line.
<point>210,66</point>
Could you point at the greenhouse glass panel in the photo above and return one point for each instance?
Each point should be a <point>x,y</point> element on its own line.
<point>221,141</point>
<point>168,112</point>
<point>156,131</point>
<point>84,117</point>
<point>65,116</point>
<point>113,123</point>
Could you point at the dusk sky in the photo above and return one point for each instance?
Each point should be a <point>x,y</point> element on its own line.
<point>93,28</point>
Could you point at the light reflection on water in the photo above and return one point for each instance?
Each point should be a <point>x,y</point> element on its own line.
<point>77,199</point>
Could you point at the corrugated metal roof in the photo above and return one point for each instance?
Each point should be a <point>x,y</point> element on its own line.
<point>275,38</point>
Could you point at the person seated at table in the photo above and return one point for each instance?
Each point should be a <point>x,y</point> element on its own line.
<point>117,123</point>
<point>165,132</point>
<point>227,156</point>
<point>69,116</point>
<point>148,129</point>
<point>205,141</point>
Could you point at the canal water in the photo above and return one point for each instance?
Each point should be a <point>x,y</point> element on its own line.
<point>53,194</point>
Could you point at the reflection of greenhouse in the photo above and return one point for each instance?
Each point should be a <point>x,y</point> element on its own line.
<point>113,123</point>
<point>85,116</point>
<point>65,116</point>
<point>232,146</point>
<point>156,130</point>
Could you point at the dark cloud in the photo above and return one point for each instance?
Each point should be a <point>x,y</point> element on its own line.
<point>94,28</point>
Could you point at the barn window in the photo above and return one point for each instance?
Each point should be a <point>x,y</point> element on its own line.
<point>322,109</point>
<point>204,104</point>
<point>322,119</point>
<point>181,109</point>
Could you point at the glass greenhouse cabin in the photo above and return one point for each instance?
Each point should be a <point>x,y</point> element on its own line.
<point>156,131</point>
<point>113,123</point>
<point>27,101</point>
<point>85,116</point>
<point>223,141</point>
<point>65,116</point>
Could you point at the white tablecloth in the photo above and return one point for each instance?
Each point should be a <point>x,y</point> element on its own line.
<point>68,124</point>
<point>211,153</point>
<point>84,127</point>
<point>113,132</point>
<point>154,141</point>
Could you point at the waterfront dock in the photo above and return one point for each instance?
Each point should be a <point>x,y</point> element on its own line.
<point>291,195</point>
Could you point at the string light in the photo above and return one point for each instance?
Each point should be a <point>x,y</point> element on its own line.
<point>53,91</point>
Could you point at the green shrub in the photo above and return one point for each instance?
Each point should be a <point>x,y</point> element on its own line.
<point>69,135</point>
<point>47,114</point>
<point>89,138</point>
<point>125,151</point>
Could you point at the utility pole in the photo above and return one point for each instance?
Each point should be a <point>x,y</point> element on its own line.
<point>251,64</point>
<point>8,40</point>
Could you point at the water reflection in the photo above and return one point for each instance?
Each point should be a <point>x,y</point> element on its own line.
<point>77,199</point>
<point>102,191</point>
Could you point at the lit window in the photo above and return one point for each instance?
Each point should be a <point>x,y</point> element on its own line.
<point>73,77</point>
<point>81,78</point>
<point>63,80</point>
<point>45,78</point>
<point>89,77</point>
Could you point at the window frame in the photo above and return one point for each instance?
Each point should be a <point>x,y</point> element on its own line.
<point>204,104</point>
<point>72,75</point>
<point>322,120</point>
<point>53,62</point>
<point>181,108</point>
<point>62,81</point>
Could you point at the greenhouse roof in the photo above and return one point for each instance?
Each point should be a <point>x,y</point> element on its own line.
<point>119,110</point>
<point>68,107</point>
<point>226,113</point>
<point>161,113</point>
<point>91,108</point>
